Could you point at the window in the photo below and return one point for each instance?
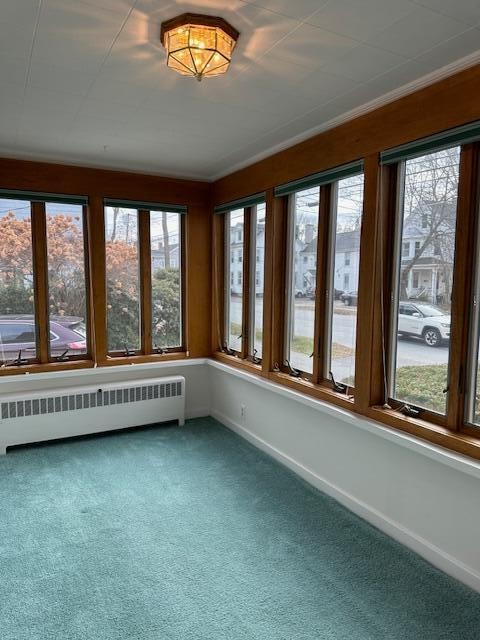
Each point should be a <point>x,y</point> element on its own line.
<point>67,291</point>
<point>234,222</point>
<point>123,280</point>
<point>405,249</point>
<point>166,279</point>
<point>257,248</point>
<point>346,219</point>
<point>243,233</point>
<point>420,351</point>
<point>144,263</point>
<point>302,240</point>
<point>43,285</point>
<point>16,281</point>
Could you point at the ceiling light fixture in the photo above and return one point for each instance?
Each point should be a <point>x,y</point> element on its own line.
<point>198,45</point>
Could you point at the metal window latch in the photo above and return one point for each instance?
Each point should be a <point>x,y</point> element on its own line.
<point>226,349</point>
<point>128,352</point>
<point>339,387</point>
<point>159,350</point>
<point>19,360</point>
<point>63,357</point>
<point>295,373</point>
<point>276,367</point>
<point>409,410</point>
<point>446,389</point>
<point>255,358</point>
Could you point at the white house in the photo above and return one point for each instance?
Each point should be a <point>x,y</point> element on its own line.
<point>158,256</point>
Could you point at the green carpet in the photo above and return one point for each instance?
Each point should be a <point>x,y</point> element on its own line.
<point>190,533</point>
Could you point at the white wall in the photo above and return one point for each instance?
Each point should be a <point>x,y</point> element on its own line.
<point>422,495</point>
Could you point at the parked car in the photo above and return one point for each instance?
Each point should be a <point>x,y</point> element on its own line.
<point>17,332</point>
<point>349,298</point>
<point>423,320</point>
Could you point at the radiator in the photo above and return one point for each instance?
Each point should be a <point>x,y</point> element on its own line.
<point>62,413</point>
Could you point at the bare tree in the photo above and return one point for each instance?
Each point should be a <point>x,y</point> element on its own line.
<point>430,198</point>
<point>350,204</point>
<point>166,239</point>
<point>113,235</point>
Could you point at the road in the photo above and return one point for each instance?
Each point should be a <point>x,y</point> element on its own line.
<point>410,351</point>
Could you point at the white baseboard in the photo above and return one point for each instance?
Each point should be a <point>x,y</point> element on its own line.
<point>433,554</point>
<point>200,412</point>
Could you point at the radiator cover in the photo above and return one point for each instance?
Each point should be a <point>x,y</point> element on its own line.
<point>61,413</point>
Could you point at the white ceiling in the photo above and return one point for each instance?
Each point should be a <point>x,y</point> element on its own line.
<point>85,81</point>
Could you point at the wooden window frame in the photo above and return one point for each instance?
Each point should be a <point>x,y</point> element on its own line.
<point>93,227</point>
<point>221,267</point>
<point>462,273</point>
<point>318,381</point>
<point>277,212</point>
<point>39,239</point>
<point>147,352</point>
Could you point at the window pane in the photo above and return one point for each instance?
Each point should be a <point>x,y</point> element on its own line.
<point>345,254</point>
<point>123,286</point>
<point>66,279</point>
<point>166,279</point>
<point>234,272</point>
<point>302,269</point>
<point>16,281</point>
<point>257,267</point>
<point>428,210</point>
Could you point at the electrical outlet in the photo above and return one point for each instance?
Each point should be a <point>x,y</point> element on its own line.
<point>243,413</point>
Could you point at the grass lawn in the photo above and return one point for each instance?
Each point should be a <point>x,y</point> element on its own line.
<point>423,386</point>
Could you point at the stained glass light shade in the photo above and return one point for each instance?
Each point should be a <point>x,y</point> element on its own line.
<point>198,45</point>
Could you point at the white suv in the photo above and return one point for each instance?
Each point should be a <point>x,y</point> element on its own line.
<point>425,321</point>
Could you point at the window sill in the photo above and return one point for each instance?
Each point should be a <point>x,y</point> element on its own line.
<point>35,368</point>
<point>112,360</point>
<point>236,361</point>
<point>318,391</point>
<point>457,441</point>
<point>78,367</point>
